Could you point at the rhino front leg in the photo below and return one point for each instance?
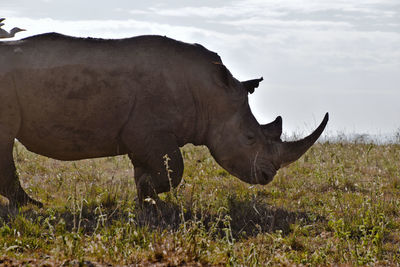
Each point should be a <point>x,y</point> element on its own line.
<point>10,186</point>
<point>144,185</point>
<point>158,164</point>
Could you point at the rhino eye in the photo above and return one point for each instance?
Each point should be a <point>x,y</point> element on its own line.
<point>250,138</point>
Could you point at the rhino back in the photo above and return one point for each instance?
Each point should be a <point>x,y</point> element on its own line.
<point>76,95</point>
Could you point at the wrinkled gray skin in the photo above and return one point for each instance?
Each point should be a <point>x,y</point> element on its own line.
<point>70,99</point>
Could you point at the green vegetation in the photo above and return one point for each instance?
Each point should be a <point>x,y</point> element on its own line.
<point>338,204</point>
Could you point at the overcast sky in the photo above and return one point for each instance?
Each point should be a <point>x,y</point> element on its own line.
<point>340,56</point>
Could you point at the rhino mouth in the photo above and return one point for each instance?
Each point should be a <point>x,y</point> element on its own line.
<point>264,176</point>
<point>261,172</point>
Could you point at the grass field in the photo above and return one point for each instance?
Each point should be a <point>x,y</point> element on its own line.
<point>338,204</point>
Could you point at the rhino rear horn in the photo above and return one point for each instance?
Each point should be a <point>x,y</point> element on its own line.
<point>250,85</point>
<point>291,151</point>
<point>273,130</point>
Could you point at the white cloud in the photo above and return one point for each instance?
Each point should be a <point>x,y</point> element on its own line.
<point>261,21</point>
<point>267,8</point>
<point>214,12</point>
<point>364,6</point>
<point>5,13</point>
<point>137,12</point>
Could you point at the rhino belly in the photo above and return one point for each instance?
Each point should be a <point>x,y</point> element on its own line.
<point>68,142</point>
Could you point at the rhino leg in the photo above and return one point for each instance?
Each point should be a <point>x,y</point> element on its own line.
<point>158,165</point>
<point>144,185</point>
<point>10,186</point>
<point>10,120</point>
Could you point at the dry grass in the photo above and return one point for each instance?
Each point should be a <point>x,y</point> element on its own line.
<point>339,204</point>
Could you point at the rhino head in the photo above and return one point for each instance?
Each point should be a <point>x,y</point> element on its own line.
<point>248,150</point>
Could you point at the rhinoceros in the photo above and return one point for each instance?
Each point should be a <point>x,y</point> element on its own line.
<point>76,98</point>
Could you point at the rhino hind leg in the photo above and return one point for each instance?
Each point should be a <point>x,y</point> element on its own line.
<point>10,120</point>
<point>161,169</point>
<point>10,186</point>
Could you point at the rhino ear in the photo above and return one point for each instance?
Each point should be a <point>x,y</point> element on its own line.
<point>250,85</point>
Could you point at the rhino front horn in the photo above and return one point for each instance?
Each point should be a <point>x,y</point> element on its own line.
<point>291,151</point>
